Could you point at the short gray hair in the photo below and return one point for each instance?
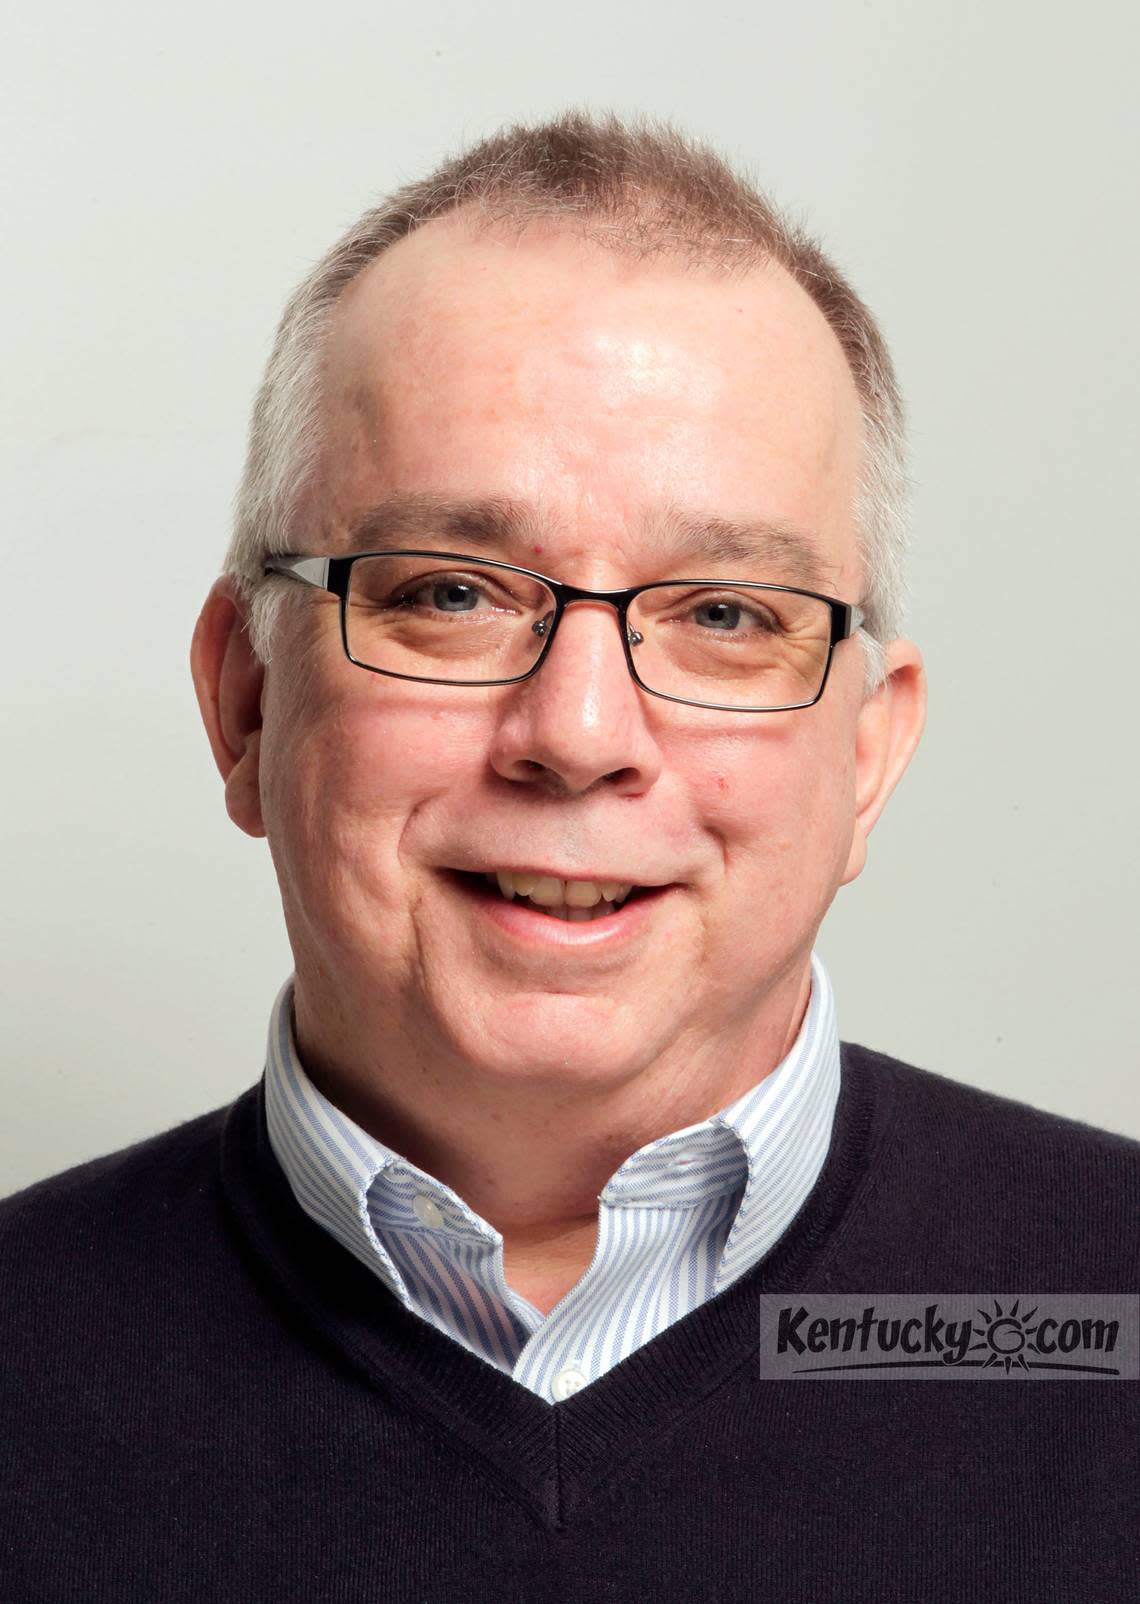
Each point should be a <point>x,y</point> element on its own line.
<point>641,188</point>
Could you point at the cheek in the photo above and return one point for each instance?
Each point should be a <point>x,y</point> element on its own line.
<point>736,779</point>
<point>782,796</point>
<point>392,752</point>
<point>353,770</point>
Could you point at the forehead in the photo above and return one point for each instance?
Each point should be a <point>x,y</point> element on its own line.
<point>600,398</point>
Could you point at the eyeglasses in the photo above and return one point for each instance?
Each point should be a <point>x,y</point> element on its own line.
<point>448,619</point>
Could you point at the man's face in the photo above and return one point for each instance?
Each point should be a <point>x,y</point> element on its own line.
<point>596,393</point>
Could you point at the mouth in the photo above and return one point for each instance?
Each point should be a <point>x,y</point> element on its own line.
<point>570,902</point>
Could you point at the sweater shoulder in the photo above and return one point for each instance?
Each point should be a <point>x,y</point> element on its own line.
<point>148,1178</point>
<point>945,1106</point>
<point>1015,1185</point>
<point>114,1266</point>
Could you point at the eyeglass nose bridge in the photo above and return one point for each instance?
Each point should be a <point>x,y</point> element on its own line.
<point>565,595</point>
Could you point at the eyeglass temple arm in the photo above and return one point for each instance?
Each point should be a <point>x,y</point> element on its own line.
<point>309,570</point>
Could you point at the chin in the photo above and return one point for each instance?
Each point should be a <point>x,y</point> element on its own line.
<point>544,1036</point>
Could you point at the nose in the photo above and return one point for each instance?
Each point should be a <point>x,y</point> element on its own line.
<point>581,719</point>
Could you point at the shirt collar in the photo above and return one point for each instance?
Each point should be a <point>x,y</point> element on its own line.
<point>769,1144</point>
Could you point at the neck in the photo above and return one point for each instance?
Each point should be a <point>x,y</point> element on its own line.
<point>531,1158</point>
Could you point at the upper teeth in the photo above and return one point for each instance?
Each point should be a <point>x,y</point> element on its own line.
<point>551,893</point>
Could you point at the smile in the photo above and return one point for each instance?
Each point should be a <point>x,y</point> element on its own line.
<point>562,918</point>
<point>576,901</point>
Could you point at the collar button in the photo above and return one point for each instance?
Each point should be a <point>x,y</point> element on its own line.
<point>427,1211</point>
<point>567,1382</point>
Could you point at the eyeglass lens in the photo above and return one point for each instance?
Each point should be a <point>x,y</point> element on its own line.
<point>730,643</point>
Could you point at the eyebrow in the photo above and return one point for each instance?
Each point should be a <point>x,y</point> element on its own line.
<point>772,545</point>
<point>495,523</point>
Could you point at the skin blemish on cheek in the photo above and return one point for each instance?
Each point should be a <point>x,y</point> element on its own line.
<point>536,550</point>
<point>722,782</point>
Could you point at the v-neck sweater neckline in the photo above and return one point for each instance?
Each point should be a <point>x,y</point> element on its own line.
<point>542,1450</point>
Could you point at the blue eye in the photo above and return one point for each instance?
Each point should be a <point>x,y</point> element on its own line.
<point>727,615</point>
<point>464,597</point>
<point>719,615</point>
<point>445,596</point>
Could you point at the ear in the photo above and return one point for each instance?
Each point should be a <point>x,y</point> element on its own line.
<point>228,681</point>
<point>887,731</point>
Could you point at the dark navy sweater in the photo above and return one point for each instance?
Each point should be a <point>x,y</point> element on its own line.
<point>204,1397</point>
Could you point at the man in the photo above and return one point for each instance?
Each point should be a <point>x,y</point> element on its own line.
<point>558,659</point>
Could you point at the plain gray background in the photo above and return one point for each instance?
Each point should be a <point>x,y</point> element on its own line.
<point>171,174</point>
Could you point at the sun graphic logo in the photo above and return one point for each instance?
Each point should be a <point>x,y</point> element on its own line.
<point>1006,1336</point>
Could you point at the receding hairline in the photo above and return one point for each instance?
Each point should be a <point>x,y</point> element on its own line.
<point>501,224</point>
<point>471,228</point>
<point>632,228</point>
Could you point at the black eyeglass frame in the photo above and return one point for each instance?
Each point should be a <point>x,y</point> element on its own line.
<point>333,574</point>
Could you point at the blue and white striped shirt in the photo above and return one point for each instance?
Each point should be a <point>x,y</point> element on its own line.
<point>682,1219</point>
